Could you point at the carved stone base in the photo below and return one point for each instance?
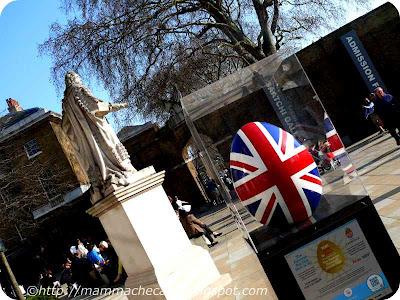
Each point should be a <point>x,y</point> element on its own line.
<point>151,243</point>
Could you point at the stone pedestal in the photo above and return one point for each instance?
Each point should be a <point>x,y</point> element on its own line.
<point>151,243</point>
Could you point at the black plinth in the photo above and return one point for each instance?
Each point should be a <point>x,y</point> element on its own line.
<point>274,246</point>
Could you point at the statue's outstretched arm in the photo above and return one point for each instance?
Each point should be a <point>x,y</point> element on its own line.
<point>118,106</point>
<point>106,107</point>
<point>100,108</point>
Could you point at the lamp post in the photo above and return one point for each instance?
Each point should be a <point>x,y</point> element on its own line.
<point>14,283</point>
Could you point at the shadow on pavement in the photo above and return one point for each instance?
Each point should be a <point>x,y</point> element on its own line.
<point>366,142</point>
<point>377,159</point>
<point>386,195</point>
<point>388,161</point>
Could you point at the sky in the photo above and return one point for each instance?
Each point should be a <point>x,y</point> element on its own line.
<point>26,76</point>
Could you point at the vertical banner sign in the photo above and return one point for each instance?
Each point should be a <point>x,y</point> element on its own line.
<point>282,106</point>
<point>361,60</point>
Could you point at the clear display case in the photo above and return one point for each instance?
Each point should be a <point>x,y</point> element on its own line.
<point>270,147</point>
<point>274,90</point>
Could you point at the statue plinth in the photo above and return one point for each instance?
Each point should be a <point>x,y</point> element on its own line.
<point>132,206</point>
<point>139,182</point>
<point>151,242</point>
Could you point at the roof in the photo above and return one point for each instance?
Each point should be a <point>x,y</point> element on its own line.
<point>13,118</point>
<point>12,123</point>
<point>128,132</point>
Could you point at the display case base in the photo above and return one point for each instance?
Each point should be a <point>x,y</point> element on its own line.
<point>345,255</point>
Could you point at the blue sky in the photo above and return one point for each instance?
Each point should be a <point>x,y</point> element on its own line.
<point>24,75</point>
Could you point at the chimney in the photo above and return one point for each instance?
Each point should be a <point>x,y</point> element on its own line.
<point>13,105</point>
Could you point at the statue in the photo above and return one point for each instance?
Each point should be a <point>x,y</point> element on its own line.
<point>96,145</point>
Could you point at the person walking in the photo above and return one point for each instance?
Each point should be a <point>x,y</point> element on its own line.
<point>81,269</point>
<point>388,109</point>
<point>113,267</point>
<point>99,264</point>
<point>66,276</point>
<point>213,192</point>
<point>368,108</point>
<point>81,247</point>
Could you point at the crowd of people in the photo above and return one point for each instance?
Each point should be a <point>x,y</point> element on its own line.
<point>384,111</point>
<point>89,265</point>
<point>212,188</point>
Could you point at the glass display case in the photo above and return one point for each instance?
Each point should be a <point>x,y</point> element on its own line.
<point>277,91</point>
<point>276,98</point>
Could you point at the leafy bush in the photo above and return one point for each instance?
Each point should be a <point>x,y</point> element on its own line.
<point>41,297</point>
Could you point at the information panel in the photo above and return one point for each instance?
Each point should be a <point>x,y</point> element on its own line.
<point>338,265</point>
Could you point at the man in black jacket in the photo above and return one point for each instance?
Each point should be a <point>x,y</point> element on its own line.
<point>388,109</point>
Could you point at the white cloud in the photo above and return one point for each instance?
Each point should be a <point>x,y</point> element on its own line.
<point>354,13</point>
<point>3,4</point>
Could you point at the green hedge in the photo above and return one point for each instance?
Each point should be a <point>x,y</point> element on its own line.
<point>41,297</point>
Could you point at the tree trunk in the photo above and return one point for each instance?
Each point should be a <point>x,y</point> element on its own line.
<point>238,39</point>
<point>268,44</point>
<point>14,283</point>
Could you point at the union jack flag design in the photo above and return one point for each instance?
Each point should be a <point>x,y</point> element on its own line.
<point>337,146</point>
<point>274,175</point>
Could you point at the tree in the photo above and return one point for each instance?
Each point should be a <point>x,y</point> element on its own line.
<point>25,185</point>
<point>138,49</point>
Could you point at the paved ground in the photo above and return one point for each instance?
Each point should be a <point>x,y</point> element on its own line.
<point>378,160</point>
<point>378,164</point>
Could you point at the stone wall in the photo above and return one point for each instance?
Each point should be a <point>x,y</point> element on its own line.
<point>163,150</point>
<point>337,81</point>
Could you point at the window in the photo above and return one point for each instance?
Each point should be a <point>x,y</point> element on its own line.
<point>32,148</point>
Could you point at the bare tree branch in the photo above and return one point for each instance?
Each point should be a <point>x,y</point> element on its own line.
<point>136,48</point>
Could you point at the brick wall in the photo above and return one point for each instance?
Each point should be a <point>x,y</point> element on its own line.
<point>29,183</point>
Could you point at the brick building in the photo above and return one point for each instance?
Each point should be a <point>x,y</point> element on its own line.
<point>164,149</point>
<point>43,195</point>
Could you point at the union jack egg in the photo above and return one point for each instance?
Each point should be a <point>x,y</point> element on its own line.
<point>274,175</point>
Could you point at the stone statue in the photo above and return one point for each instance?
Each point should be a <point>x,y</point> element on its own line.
<point>96,145</point>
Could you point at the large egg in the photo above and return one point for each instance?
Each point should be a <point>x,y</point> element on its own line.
<point>330,257</point>
<point>274,175</point>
